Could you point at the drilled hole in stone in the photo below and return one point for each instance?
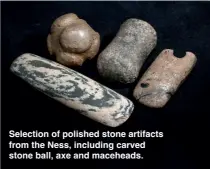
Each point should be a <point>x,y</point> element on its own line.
<point>144,85</point>
<point>179,53</point>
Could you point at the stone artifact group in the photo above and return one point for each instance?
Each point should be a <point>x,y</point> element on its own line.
<point>72,41</point>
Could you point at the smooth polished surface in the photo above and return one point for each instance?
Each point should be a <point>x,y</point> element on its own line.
<point>73,89</point>
<point>163,78</point>
<point>76,39</point>
<point>72,40</point>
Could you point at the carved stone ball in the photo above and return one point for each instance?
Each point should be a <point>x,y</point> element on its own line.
<point>72,40</point>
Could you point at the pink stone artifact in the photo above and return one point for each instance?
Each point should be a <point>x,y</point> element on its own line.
<point>163,77</point>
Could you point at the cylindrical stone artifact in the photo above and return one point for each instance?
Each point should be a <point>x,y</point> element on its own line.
<point>163,78</point>
<point>123,58</point>
<point>73,89</point>
<point>72,40</point>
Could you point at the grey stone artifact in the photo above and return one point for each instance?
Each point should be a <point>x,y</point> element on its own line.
<point>123,58</point>
<point>163,77</point>
<point>73,89</point>
<point>72,40</point>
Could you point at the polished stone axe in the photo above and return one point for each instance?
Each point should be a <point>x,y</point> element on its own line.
<point>73,89</point>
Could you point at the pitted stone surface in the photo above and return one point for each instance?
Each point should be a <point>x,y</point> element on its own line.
<point>72,40</point>
<point>163,77</point>
<point>123,58</point>
<point>73,89</point>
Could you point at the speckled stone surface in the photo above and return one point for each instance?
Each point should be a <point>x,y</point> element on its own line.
<point>123,58</point>
<point>73,89</point>
<point>72,40</point>
<point>163,77</point>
